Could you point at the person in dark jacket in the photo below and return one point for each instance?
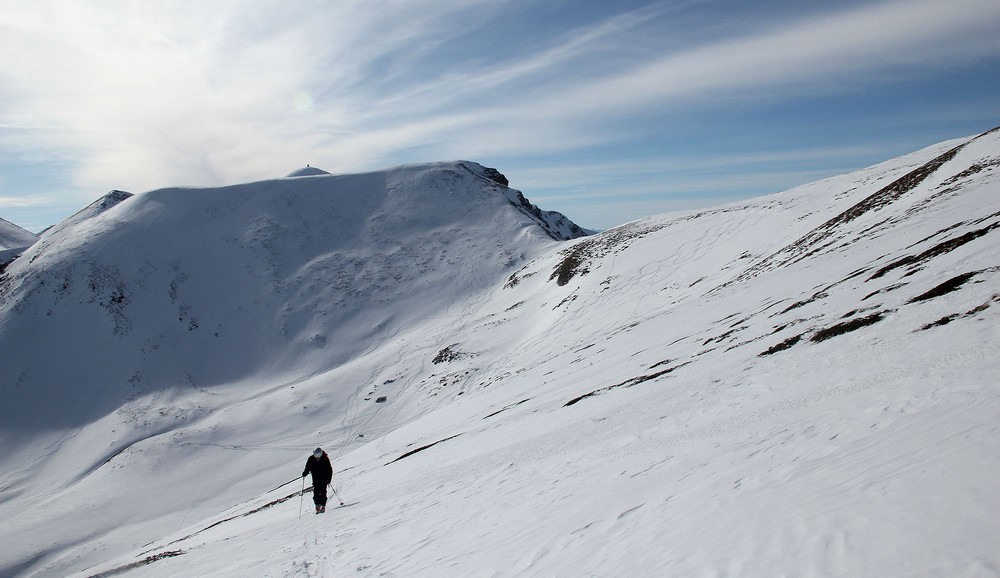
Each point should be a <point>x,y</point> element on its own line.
<point>321,469</point>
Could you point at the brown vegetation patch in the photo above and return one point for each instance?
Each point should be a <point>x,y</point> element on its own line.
<point>573,263</point>
<point>953,284</point>
<point>935,251</point>
<point>797,304</point>
<point>576,260</point>
<point>847,327</point>
<point>786,344</point>
<point>975,168</point>
<point>970,313</point>
<point>821,237</point>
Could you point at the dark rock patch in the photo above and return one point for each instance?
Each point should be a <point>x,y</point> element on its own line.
<point>144,562</point>
<point>786,344</point>
<point>627,383</point>
<point>422,448</point>
<point>953,284</point>
<point>847,327</point>
<point>935,251</point>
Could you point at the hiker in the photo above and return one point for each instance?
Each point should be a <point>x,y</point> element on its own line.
<point>319,466</point>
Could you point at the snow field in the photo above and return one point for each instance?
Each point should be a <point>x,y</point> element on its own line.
<point>764,388</point>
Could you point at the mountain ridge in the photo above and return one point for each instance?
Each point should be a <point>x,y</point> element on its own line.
<point>13,241</point>
<point>675,381</point>
<point>14,237</point>
<point>128,253</point>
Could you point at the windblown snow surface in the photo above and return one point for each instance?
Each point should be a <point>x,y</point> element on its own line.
<point>804,384</point>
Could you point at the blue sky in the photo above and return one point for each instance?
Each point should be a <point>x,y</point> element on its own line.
<point>605,111</point>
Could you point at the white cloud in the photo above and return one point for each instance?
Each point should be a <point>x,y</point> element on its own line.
<point>21,202</point>
<point>816,50</point>
<point>542,109</point>
<point>151,94</point>
<point>154,94</point>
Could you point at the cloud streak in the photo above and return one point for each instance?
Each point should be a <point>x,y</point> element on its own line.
<point>144,95</point>
<point>551,111</point>
<point>809,55</point>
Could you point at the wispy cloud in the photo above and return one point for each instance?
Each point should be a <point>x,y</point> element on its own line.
<point>21,202</point>
<point>543,109</point>
<point>185,91</point>
<point>146,94</point>
<point>797,55</point>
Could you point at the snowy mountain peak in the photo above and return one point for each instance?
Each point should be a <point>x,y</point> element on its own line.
<point>259,277</point>
<point>92,210</point>
<point>307,171</point>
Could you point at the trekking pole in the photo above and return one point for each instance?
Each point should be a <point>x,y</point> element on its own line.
<point>302,493</point>
<point>335,494</point>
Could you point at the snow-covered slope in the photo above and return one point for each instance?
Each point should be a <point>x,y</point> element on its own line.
<point>92,210</point>
<point>265,277</point>
<point>13,240</point>
<point>14,237</point>
<point>803,384</point>
<point>146,314</point>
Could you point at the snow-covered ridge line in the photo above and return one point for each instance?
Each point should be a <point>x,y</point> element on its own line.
<point>323,251</point>
<point>631,402</point>
<point>13,241</point>
<point>826,235</point>
<point>14,237</point>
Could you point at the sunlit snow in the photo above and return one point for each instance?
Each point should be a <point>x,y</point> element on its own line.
<point>804,384</point>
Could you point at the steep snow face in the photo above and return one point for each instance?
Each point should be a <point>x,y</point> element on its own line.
<point>239,280</point>
<point>14,237</point>
<point>803,384</point>
<point>92,210</point>
<point>144,314</point>
<point>13,240</point>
